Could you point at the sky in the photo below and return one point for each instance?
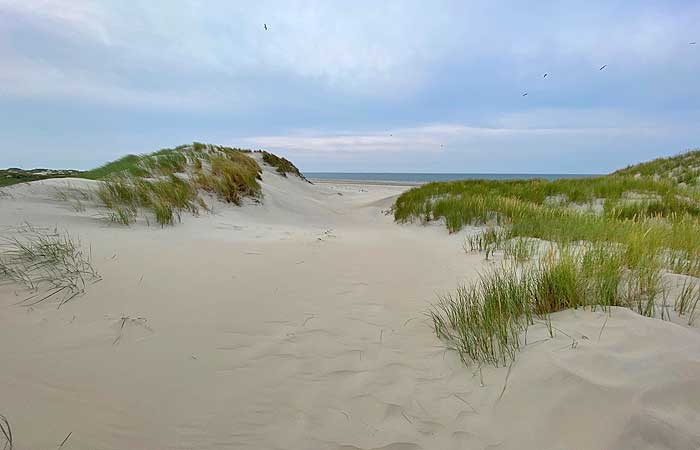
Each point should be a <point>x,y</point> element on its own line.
<point>361,86</point>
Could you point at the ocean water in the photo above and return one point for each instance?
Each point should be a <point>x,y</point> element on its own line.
<point>418,178</point>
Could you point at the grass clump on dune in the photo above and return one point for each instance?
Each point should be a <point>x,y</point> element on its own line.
<point>647,190</point>
<point>614,255</point>
<point>231,178</point>
<point>686,303</point>
<point>676,235</point>
<point>168,182</point>
<point>489,241</point>
<point>165,198</point>
<point>519,249</point>
<point>487,321</point>
<point>483,322</point>
<point>682,168</point>
<point>48,263</point>
<point>283,165</point>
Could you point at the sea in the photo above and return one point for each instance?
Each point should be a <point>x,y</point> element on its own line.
<point>420,178</point>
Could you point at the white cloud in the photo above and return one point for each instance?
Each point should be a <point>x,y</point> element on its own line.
<point>379,48</point>
<point>452,72</point>
<point>83,17</point>
<point>434,138</point>
<point>371,49</point>
<point>30,79</point>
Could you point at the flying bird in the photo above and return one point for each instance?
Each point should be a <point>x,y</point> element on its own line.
<point>692,43</point>
<point>524,94</point>
<point>265,25</point>
<point>603,66</point>
<point>545,75</point>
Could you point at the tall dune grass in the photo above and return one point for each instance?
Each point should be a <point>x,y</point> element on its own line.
<point>659,198</point>
<point>677,237</point>
<point>232,177</point>
<point>612,256</point>
<point>486,322</point>
<point>682,168</point>
<point>282,165</point>
<point>167,183</point>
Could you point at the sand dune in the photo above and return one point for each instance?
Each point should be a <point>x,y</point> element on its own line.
<point>299,323</point>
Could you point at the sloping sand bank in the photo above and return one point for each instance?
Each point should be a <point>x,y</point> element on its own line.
<point>299,324</point>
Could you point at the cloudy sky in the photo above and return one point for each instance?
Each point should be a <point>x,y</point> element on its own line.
<point>412,86</point>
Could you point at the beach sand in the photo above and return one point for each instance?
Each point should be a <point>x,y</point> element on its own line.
<point>300,323</point>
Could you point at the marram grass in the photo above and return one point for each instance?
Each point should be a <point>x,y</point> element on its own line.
<point>610,240</point>
<point>168,182</point>
<point>160,186</point>
<point>486,322</point>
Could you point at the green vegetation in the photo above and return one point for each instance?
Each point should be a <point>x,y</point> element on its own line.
<point>9,177</point>
<point>167,182</point>
<point>683,168</point>
<point>488,242</point>
<point>623,197</point>
<point>676,233</point>
<point>686,304</point>
<point>487,321</point>
<point>610,240</point>
<point>165,198</point>
<point>129,164</point>
<point>46,261</point>
<point>231,177</point>
<point>283,165</point>
<point>519,249</point>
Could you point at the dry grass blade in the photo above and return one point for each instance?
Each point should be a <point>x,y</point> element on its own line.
<point>603,327</point>
<point>65,440</point>
<point>505,382</point>
<point>48,263</point>
<point>6,431</point>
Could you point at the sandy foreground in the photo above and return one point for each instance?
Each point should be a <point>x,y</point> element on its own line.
<point>300,324</point>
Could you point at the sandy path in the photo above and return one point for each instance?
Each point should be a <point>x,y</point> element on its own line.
<point>298,324</point>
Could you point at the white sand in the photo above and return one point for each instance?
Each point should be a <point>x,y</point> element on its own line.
<point>299,324</point>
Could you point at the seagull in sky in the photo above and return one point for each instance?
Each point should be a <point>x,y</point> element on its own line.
<point>603,66</point>
<point>545,75</point>
<point>692,43</point>
<point>265,25</point>
<point>525,94</point>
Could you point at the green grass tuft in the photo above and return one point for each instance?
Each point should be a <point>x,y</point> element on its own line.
<point>283,165</point>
